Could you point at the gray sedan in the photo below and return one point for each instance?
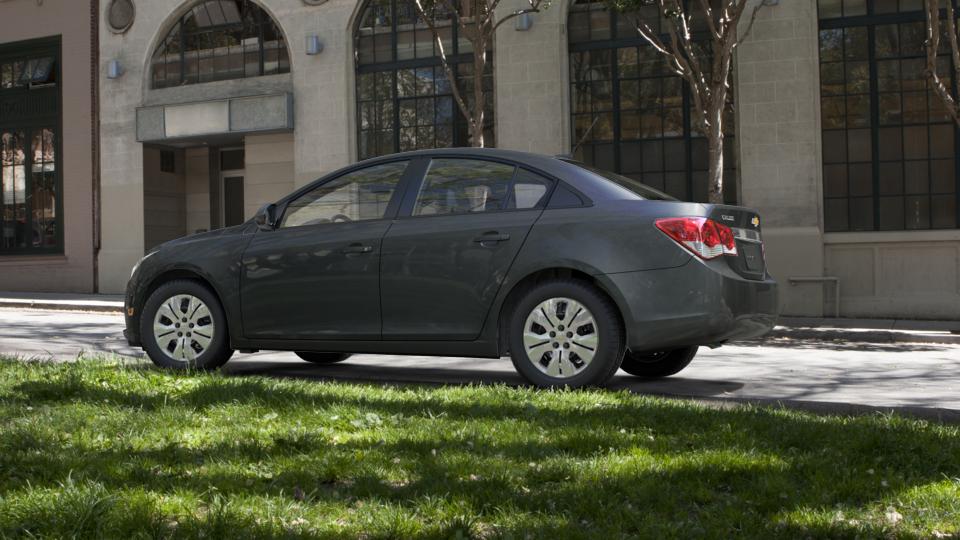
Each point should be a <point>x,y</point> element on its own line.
<point>571,271</point>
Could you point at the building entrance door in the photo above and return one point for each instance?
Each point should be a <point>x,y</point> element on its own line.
<point>232,161</point>
<point>232,199</point>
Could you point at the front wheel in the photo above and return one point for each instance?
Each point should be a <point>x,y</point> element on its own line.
<point>566,333</point>
<point>183,326</point>
<point>323,357</point>
<point>658,364</point>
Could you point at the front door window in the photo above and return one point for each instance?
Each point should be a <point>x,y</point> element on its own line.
<point>356,196</point>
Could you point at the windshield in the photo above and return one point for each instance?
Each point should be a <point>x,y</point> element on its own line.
<point>634,186</point>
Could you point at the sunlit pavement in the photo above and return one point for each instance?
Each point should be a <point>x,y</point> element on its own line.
<point>820,375</point>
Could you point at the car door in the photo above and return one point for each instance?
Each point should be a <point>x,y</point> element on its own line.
<point>316,276</point>
<point>446,255</point>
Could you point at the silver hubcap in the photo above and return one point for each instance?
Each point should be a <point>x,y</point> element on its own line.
<point>561,337</point>
<point>183,327</point>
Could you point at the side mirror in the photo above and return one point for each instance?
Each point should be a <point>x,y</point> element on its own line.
<point>266,217</point>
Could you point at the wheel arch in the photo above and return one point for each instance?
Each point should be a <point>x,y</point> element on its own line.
<point>530,280</point>
<point>188,274</point>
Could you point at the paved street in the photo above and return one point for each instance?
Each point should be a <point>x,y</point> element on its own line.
<point>811,373</point>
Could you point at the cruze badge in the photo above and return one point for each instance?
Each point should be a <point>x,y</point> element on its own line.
<point>727,218</point>
<point>755,221</point>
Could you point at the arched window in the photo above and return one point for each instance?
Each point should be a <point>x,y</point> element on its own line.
<point>630,114</point>
<point>404,100</point>
<point>218,40</point>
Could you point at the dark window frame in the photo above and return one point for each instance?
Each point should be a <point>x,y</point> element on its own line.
<point>392,68</point>
<point>871,21</point>
<point>688,136</point>
<point>25,50</point>
<point>179,33</point>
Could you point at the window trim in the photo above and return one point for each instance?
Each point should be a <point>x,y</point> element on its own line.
<point>871,21</point>
<point>413,190</point>
<point>51,46</point>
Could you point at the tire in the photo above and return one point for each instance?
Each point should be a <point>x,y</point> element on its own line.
<point>203,341</point>
<point>661,364</point>
<point>323,357</point>
<point>563,359</point>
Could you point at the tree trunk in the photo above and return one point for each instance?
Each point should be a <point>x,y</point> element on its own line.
<point>715,150</point>
<point>476,122</point>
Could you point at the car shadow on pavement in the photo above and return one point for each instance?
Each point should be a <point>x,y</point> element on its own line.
<point>842,345</point>
<point>357,371</point>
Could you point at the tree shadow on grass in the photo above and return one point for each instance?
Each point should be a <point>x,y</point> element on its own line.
<point>623,466</point>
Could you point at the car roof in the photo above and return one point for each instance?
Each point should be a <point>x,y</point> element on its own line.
<point>528,158</point>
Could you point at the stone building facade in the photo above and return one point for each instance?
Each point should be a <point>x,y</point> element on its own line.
<point>48,145</point>
<point>856,185</point>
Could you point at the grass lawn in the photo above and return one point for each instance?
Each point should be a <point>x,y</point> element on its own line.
<point>107,449</point>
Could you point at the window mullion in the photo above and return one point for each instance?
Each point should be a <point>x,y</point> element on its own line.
<point>28,186</point>
<point>874,123</point>
<point>615,95</point>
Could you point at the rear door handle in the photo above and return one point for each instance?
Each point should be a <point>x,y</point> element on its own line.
<point>491,238</point>
<point>356,248</point>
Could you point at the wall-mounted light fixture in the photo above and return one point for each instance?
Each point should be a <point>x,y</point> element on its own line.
<point>524,22</point>
<point>314,46</point>
<point>114,69</point>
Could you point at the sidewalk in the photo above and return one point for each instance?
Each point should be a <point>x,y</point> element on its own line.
<point>792,328</point>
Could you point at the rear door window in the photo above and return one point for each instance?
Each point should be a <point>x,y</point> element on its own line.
<point>463,186</point>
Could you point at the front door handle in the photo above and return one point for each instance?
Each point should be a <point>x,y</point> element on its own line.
<point>356,248</point>
<point>491,238</point>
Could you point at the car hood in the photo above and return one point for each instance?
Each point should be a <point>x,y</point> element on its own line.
<point>204,236</point>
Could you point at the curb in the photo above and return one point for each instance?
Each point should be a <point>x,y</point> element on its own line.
<point>100,307</point>
<point>862,336</point>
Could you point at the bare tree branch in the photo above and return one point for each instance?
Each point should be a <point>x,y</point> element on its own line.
<point>933,48</point>
<point>753,19</point>
<point>708,84</point>
<point>451,77</point>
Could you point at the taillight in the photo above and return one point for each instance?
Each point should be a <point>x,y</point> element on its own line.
<point>704,237</point>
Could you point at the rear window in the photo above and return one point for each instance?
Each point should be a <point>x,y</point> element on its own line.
<point>633,186</point>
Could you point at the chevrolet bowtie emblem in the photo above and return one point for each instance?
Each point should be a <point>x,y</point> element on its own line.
<point>755,221</point>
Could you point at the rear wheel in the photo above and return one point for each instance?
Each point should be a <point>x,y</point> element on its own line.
<point>658,364</point>
<point>183,326</point>
<point>566,333</point>
<point>323,357</point>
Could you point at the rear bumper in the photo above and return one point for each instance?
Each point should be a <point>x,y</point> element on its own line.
<point>699,303</point>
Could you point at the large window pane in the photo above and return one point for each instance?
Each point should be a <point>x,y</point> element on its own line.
<point>647,126</point>
<point>13,176</point>
<point>223,39</point>
<point>889,148</point>
<point>432,119</point>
